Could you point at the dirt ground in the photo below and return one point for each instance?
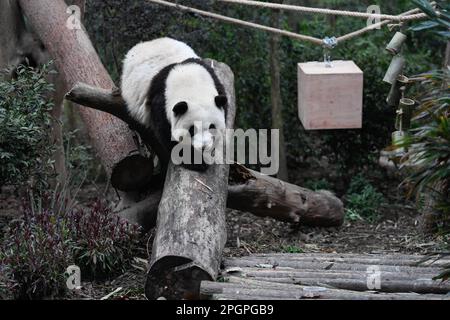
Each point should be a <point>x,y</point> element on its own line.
<point>395,232</point>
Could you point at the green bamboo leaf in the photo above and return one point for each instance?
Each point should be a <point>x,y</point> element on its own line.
<point>426,7</point>
<point>424,25</point>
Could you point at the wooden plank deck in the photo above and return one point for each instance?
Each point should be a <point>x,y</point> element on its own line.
<point>329,276</point>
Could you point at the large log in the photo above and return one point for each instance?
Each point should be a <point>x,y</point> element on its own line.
<point>396,273</point>
<point>266,196</point>
<point>191,226</point>
<point>320,265</point>
<point>76,60</point>
<point>339,276</point>
<point>237,288</point>
<point>369,259</point>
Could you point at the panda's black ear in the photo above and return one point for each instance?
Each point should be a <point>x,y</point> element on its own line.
<point>180,108</point>
<point>221,101</point>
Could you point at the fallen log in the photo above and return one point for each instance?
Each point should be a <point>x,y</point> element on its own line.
<point>320,265</point>
<point>369,259</point>
<point>191,226</point>
<point>265,196</point>
<point>327,274</point>
<point>425,286</point>
<point>394,273</point>
<point>239,289</point>
<point>248,190</point>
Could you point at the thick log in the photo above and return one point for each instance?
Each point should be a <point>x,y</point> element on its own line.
<point>239,289</point>
<point>191,228</point>
<point>319,265</point>
<point>279,273</point>
<point>369,259</point>
<point>266,196</point>
<point>140,214</point>
<point>424,286</point>
<point>395,273</point>
<point>76,60</point>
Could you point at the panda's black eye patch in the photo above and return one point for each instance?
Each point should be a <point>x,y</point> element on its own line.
<point>221,101</point>
<point>212,127</point>
<point>192,131</point>
<point>180,108</point>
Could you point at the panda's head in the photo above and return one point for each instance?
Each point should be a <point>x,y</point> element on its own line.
<point>194,106</point>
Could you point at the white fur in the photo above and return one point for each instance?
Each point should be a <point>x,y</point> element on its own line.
<point>191,83</point>
<point>141,64</point>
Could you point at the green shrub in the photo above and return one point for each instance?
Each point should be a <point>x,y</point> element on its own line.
<point>25,148</point>
<point>38,248</point>
<point>103,243</point>
<point>358,184</point>
<point>363,201</point>
<point>318,184</point>
<point>292,249</point>
<point>36,253</point>
<point>427,162</point>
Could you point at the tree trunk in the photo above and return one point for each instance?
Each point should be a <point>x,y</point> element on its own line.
<point>76,59</point>
<point>191,226</point>
<point>275,93</point>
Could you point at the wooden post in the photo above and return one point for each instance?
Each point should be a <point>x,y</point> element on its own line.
<point>275,93</point>
<point>191,228</point>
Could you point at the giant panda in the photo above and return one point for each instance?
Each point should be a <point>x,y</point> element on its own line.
<point>167,87</point>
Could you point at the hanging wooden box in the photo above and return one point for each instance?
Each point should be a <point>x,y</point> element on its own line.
<point>330,98</point>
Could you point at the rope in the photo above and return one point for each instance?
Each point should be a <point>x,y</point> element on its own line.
<point>364,15</point>
<point>240,22</point>
<point>406,15</point>
<point>373,26</point>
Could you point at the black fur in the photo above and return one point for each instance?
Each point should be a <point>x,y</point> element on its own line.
<point>156,101</point>
<point>180,108</point>
<point>221,101</point>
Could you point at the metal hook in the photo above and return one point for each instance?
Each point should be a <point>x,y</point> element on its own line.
<point>328,45</point>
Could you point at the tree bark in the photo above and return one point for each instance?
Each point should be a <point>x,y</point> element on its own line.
<point>76,60</point>
<point>275,94</point>
<point>191,226</point>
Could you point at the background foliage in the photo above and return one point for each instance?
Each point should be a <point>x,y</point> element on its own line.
<point>312,155</point>
<point>25,148</point>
